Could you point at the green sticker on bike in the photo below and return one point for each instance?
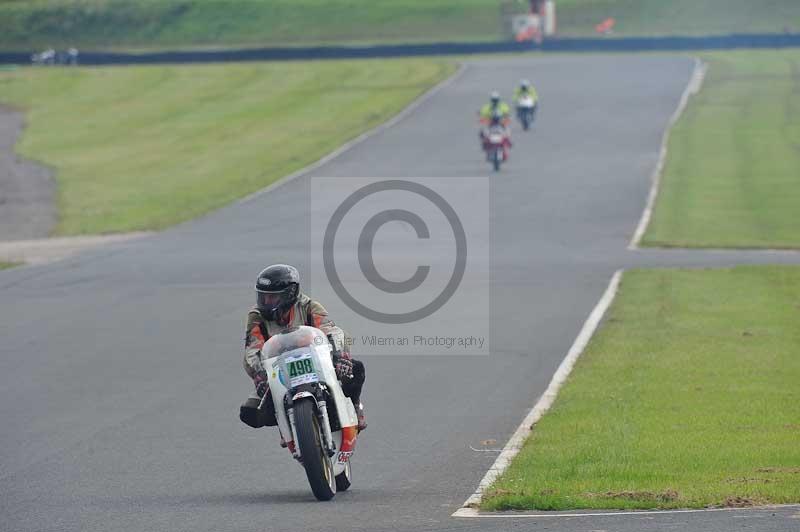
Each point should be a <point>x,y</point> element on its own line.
<point>301,370</point>
<point>301,367</point>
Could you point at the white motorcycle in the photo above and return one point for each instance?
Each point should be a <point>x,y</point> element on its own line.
<point>316,420</point>
<point>525,111</point>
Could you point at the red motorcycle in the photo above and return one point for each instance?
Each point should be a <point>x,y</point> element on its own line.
<point>496,140</point>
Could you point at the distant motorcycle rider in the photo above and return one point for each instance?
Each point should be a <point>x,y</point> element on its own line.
<point>495,107</point>
<point>526,89</point>
<point>496,112</point>
<point>281,305</point>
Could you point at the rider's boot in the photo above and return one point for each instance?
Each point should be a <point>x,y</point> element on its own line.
<point>362,417</point>
<point>352,389</point>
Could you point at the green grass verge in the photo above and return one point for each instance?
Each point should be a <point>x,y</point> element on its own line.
<point>26,24</point>
<point>138,148</point>
<point>170,23</point>
<point>731,178</point>
<point>679,17</point>
<point>6,265</point>
<point>687,396</point>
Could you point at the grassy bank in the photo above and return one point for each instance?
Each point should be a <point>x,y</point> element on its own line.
<point>679,17</point>
<point>27,24</point>
<point>171,23</point>
<point>734,158</point>
<point>686,397</point>
<point>139,148</point>
<point>6,265</point>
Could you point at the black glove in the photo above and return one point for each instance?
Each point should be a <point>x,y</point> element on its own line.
<point>344,367</point>
<point>262,384</point>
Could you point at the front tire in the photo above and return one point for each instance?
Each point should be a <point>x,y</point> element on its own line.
<point>496,160</point>
<point>316,461</point>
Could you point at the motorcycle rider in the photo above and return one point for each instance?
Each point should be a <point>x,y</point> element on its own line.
<point>495,107</point>
<point>526,89</point>
<point>496,111</point>
<point>281,305</point>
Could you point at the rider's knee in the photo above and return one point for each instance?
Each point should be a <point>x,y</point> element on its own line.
<point>251,415</point>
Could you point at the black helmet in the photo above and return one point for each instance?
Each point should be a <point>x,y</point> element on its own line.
<point>524,84</point>
<point>277,288</point>
<point>494,97</point>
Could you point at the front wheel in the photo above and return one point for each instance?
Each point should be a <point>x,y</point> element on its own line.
<point>344,479</point>
<point>316,461</point>
<point>497,156</point>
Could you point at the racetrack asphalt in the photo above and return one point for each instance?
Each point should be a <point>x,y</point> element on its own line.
<point>120,368</point>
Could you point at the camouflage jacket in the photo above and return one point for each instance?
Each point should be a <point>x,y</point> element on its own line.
<point>305,312</point>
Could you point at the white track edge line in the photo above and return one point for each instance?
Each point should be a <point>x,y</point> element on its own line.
<point>693,87</point>
<point>641,513</point>
<point>545,401</point>
<point>407,110</point>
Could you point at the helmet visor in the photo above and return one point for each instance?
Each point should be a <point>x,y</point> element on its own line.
<point>270,300</point>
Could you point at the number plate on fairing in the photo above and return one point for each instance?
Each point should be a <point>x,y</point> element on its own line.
<point>301,370</point>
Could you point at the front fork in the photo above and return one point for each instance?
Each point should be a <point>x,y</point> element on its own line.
<point>324,422</point>
<point>292,441</point>
<point>322,409</point>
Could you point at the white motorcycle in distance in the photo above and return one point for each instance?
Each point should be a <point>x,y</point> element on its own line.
<point>525,111</point>
<point>316,420</point>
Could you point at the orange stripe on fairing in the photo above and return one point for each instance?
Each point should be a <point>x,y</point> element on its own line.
<point>349,435</point>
